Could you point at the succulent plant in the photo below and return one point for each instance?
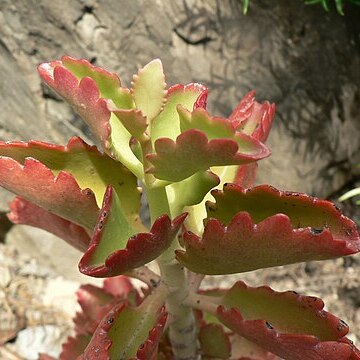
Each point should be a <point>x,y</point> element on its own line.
<point>207,218</point>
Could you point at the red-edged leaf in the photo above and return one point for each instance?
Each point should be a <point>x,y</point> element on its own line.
<point>167,123</point>
<point>252,117</point>
<point>134,121</point>
<point>287,346</point>
<point>126,333</point>
<point>214,341</point>
<point>59,194</point>
<point>270,228</point>
<point>27,213</point>
<point>112,253</point>
<point>194,144</point>
<point>90,168</point>
<point>89,89</point>
<point>243,110</point>
<point>287,324</point>
<point>288,311</point>
<point>83,95</point>
<point>74,346</point>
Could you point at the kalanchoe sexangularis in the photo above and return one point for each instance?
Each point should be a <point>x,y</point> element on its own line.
<point>197,172</point>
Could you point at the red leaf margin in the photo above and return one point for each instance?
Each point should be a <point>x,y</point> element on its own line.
<point>99,346</point>
<point>141,248</point>
<point>245,242</point>
<point>215,152</point>
<point>83,95</point>
<point>27,213</point>
<point>36,183</point>
<point>287,346</point>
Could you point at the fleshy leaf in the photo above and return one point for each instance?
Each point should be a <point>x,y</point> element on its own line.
<point>289,346</point>
<point>111,253</point>
<point>167,123</point>
<point>74,346</point>
<point>126,333</point>
<point>214,341</point>
<point>59,194</point>
<point>286,311</point>
<point>287,324</point>
<point>270,228</point>
<point>108,83</point>
<point>252,117</point>
<point>89,90</point>
<point>27,213</point>
<point>149,89</point>
<point>194,144</point>
<point>255,119</point>
<point>134,121</point>
<point>90,168</point>
<point>82,94</point>
<point>190,191</point>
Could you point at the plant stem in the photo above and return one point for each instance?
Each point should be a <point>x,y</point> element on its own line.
<point>203,302</point>
<point>145,275</point>
<point>182,329</point>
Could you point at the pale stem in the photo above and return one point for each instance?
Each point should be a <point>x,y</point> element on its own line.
<point>203,302</point>
<point>194,280</point>
<point>182,329</point>
<point>145,275</point>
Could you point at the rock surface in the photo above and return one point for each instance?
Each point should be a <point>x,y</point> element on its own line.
<point>302,58</point>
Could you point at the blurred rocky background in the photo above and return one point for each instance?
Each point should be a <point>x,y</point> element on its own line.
<point>302,58</point>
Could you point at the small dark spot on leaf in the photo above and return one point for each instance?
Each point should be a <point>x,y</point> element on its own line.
<point>268,325</point>
<point>294,292</point>
<point>341,325</point>
<point>316,231</point>
<point>142,346</point>
<point>349,232</point>
<point>154,283</point>
<point>101,224</point>
<point>198,301</point>
<point>88,192</point>
<point>110,320</point>
<point>104,214</point>
<point>336,208</point>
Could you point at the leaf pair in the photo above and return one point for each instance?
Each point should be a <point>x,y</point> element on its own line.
<point>61,188</point>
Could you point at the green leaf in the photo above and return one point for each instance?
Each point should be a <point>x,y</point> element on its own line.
<point>61,194</point>
<point>126,333</point>
<point>113,252</point>
<point>171,159</point>
<point>108,83</point>
<point>134,122</point>
<point>84,95</point>
<point>214,341</point>
<point>269,228</point>
<point>290,325</point>
<point>149,89</point>
<point>90,168</point>
<point>190,191</point>
<point>287,311</point>
<point>167,124</point>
